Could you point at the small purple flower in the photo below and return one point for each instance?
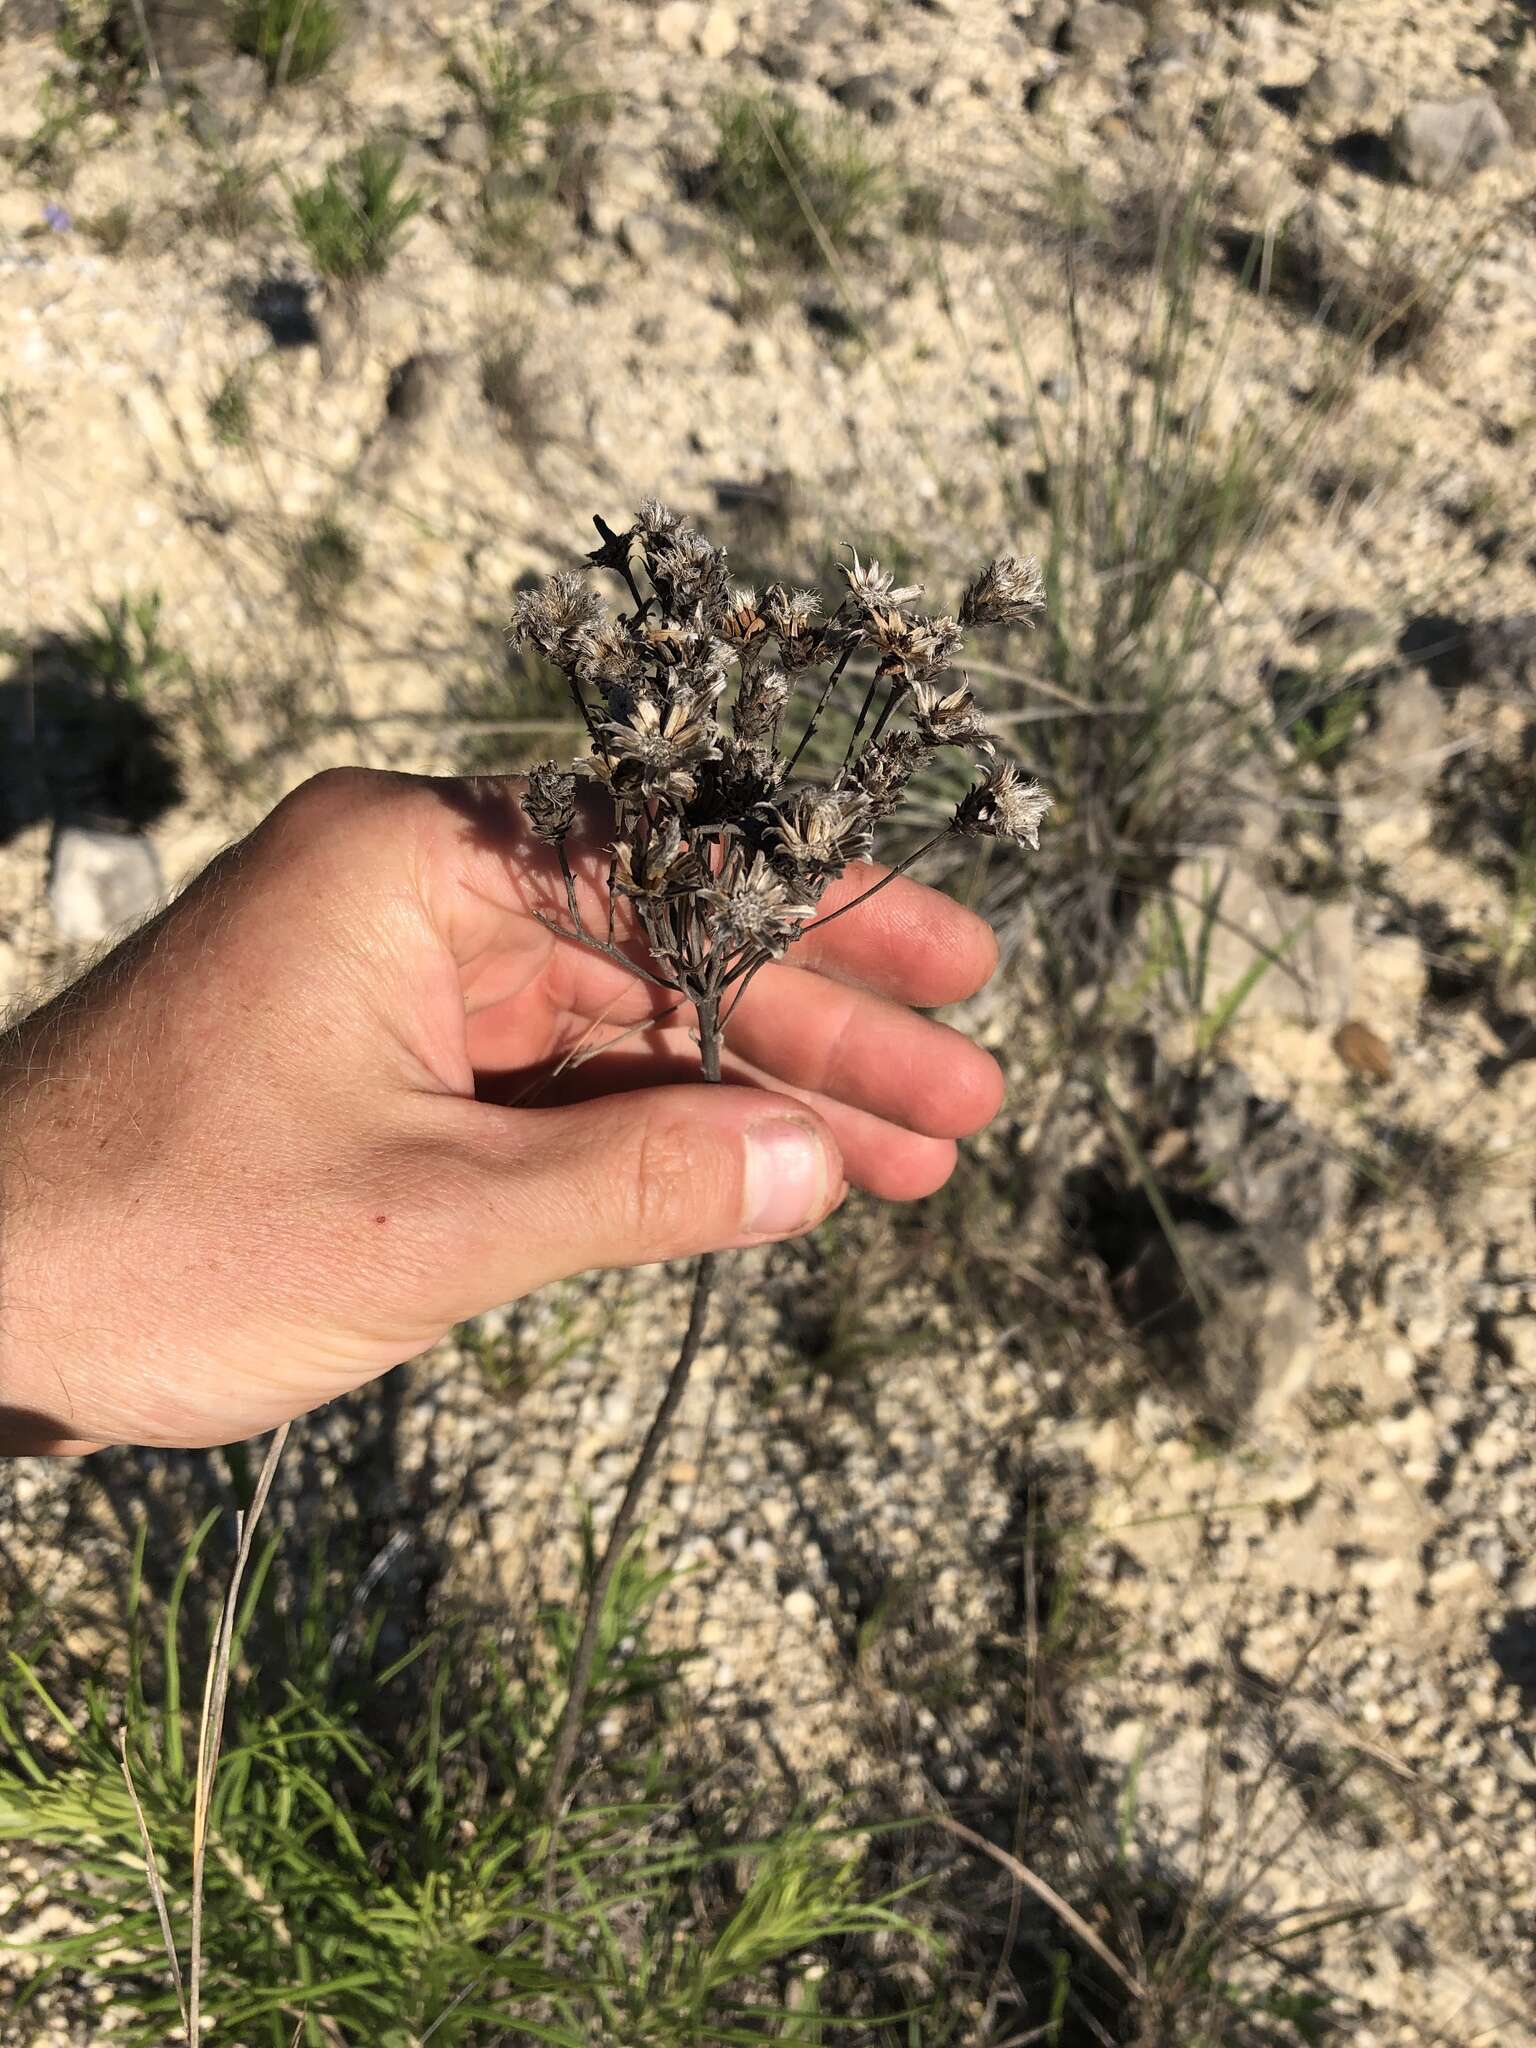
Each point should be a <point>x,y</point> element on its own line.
<point>57,217</point>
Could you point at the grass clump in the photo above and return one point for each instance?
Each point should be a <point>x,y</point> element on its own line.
<point>376,1864</point>
<point>111,230</point>
<point>294,39</point>
<point>537,115</point>
<point>802,193</point>
<point>352,221</point>
<point>522,96</point>
<point>327,561</point>
<point>229,411</point>
<point>236,202</point>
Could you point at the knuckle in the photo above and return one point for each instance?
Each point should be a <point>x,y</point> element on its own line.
<point>683,1186</point>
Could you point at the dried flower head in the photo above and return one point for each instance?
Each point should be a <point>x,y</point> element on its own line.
<point>661,866</point>
<point>872,587</point>
<point>688,574</point>
<point>1008,592</point>
<point>549,802</point>
<point>1008,805</point>
<point>820,831</point>
<point>558,617</point>
<point>759,912</point>
<point>791,616</point>
<point>951,720</point>
<point>883,770</point>
<point>760,706</point>
<point>656,751</point>
<point>721,843</point>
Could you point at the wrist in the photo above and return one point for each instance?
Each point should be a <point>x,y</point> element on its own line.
<point>37,1405</point>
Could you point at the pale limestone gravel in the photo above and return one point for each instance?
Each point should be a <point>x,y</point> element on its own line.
<point>1386,1527</point>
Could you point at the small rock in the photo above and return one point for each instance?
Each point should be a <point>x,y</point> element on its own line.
<point>785,62</point>
<point>719,33</point>
<point>1265,1164</point>
<point>418,387</point>
<point>1341,92</point>
<point>1044,26</point>
<point>462,142</point>
<point>1338,633</point>
<point>231,92</point>
<point>185,39</point>
<point>870,93</point>
<point>1303,949</point>
<point>100,881</point>
<point>1230,1316</point>
<point>1445,142</point>
<point>1404,750</point>
<point>643,236</point>
<point>677,23</point>
<point>1363,1051</point>
<point>1503,651</point>
<point>1107,33</point>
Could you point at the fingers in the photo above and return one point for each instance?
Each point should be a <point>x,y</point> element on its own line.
<point>882,1157</point>
<point>632,1179</point>
<point>862,1050</point>
<point>907,941</point>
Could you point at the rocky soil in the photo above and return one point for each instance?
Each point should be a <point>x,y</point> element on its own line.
<point>1285,1505</point>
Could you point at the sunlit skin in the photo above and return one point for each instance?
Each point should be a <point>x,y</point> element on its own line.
<point>337,1099</point>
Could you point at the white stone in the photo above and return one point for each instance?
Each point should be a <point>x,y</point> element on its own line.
<point>719,33</point>
<point>677,23</point>
<point>101,882</point>
<point>1444,142</point>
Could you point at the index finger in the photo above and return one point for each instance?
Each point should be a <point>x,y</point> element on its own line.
<point>908,941</point>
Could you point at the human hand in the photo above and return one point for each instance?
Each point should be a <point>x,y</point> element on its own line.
<point>264,1151</point>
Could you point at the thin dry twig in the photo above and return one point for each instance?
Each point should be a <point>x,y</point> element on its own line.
<point>210,1734</point>
<point>1047,1895</point>
<point>156,1888</point>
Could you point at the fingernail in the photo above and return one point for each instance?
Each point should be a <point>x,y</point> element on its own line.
<point>788,1178</point>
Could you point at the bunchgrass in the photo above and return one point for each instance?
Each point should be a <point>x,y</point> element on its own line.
<point>228,411</point>
<point>294,39</point>
<point>327,560</point>
<point>376,1864</point>
<point>802,193</point>
<point>537,109</point>
<point>522,95</point>
<point>236,202</point>
<point>111,230</point>
<point>352,221</point>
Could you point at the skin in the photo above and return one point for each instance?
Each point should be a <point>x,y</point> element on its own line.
<point>287,1135</point>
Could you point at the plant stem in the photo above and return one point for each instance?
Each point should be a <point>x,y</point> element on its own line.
<point>568,1733</point>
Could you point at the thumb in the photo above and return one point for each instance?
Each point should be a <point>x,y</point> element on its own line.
<point>662,1173</point>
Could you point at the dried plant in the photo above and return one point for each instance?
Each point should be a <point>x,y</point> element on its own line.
<point>721,850</point>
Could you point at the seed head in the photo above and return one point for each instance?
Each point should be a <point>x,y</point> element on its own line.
<point>815,835</point>
<point>688,574</point>
<point>791,616</point>
<point>549,802</point>
<point>759,708</point>
<point>661,867</point>
<point>1008,592</point>
<point>949,721</point>
<point>760,912</point>
<point>559,618</point>
<point>656,751</point>
<point>870,586</point>
<point>883,770</point>
<point>1007,805</point>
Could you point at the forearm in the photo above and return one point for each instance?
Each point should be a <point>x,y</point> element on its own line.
<point>36,1372</point>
